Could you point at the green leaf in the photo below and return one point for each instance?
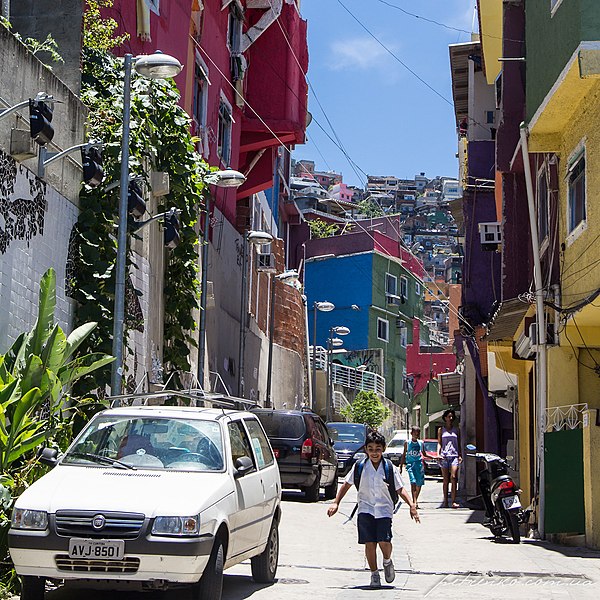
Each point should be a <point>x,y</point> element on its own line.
<point>77,337</point>
<point>80,367</point>
<point>46,307</point>
<point>32,374</point>
<point>53,352</point>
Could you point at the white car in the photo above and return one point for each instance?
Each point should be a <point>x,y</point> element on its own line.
<point>150,498</point>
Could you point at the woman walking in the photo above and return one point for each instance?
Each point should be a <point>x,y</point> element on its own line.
<point>449,451</point>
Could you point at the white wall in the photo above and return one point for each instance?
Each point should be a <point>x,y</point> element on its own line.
<point>35,225</point>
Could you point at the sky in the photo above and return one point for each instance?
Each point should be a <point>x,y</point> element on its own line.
<point>388,121</point>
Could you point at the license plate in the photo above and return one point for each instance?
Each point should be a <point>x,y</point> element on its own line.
<point>340,465</point>
<point>276,452</point>
<point>100,549</point>
<point>511,502</point>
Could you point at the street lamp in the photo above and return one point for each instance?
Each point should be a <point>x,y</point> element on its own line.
<point>323,307</point>
<point>332,342</point>
<point>228,178</point>
<point>288,278</point>
<point>254,238</point>
<point>155,66</point>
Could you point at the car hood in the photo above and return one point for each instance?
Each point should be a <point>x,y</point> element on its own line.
<point>348,447</point>
<point>141,491</point>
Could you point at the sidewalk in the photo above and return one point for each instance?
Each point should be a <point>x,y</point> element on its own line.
<point>450,554</point>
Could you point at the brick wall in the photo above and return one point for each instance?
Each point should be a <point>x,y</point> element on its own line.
<point>35,225</point>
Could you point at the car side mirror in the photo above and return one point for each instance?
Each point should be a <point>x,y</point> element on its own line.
<point>243,465</point>
<point>48,456</point>
<point>331,442</point>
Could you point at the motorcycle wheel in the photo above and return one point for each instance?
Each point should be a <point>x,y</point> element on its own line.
<point>512,521</point>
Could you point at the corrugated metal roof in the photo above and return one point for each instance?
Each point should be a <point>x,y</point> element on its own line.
<point>506,320</point>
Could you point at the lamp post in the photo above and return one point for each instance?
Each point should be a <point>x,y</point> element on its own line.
<point>332,342</point>
<point>323,307</point>
<point>154,66</point>
<point>228,178</point>
<point>254,238</point>
<point>288,278</point>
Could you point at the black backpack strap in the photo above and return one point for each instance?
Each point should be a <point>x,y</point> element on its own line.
<point>358,469</point>
<point>388,469</point>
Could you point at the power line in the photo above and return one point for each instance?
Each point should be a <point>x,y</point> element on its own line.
<point>445,25</point>
<point>283,145</point>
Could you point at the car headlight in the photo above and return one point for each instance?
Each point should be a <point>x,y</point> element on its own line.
<point>360,456</point>
<point>23,518</point>
<point>176,526</point>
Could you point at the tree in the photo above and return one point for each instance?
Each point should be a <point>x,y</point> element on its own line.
<point>370,208</point>
<point>367,408</point>
<point>322,229</point>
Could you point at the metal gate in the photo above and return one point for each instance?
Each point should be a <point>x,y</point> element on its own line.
<point>563,469</point>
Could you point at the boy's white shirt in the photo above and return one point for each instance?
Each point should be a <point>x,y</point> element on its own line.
<point>373,493</point>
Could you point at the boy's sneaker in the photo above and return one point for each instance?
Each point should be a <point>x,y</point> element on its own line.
<point>390,573</point>
<point>375,580</point>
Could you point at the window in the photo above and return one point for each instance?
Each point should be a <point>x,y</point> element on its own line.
<point>404,287</point>
<point>417,288</point>
<point>240,445</point>
<point>224,139</point>
<point>403,333</point>
<point>234,30</point>
<point>262,450</point>
<point>391,284</point>
<point>383,329</point>
<point>489,116</point>
<point>542,204</point>
<point>200,107</point>
<point>577,212</point>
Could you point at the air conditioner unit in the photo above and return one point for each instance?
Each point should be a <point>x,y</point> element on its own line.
<point>490,235</point>
<point>266,263</point>
<point>525,345</point>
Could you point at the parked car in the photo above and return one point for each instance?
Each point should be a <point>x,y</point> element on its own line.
<point>395,449</point>
<point>432,466</point>
<point>303,449</point>
<point>349,441</point>
<point>152,497</point>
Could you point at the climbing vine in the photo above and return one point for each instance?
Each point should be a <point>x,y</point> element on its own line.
<point>160,140</point>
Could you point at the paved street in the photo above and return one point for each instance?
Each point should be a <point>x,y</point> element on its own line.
<point>449,555</point>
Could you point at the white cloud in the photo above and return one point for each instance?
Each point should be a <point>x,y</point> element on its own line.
<point>357,53</point>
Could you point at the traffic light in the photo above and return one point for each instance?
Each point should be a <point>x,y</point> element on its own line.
<point>91,159</point>
<point>136,206</point>
<point>40,116</point>
<point>172,225</point>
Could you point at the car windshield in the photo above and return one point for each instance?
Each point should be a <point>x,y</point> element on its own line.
<point>347,432</point>
<point>282,425</point>
<point>430,446</point>
<point>396,443</point>
<point>173,444</point>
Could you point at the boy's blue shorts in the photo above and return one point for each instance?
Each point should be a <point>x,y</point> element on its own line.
<point>371,529</point>
<point>416,474</point>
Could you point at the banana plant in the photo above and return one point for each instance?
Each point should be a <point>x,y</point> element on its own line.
<point>36,376</point>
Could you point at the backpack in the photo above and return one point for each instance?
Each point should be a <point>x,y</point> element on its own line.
<point>388,469</point>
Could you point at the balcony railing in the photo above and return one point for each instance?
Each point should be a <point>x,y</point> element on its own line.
<point>350,377</point>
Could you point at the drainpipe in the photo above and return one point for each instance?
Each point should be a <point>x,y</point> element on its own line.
<point>540,362</point>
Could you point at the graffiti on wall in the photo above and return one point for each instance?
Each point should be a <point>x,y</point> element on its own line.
<point>371,358</point>
<point>22,203</point>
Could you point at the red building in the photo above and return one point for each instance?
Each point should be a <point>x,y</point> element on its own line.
<point>243,83</point>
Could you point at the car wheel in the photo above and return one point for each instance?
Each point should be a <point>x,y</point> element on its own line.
<point>210,586</point>
<point>311,493</point>
<point>264,566</point>
<point>331,490</point>
<point>33,588</point>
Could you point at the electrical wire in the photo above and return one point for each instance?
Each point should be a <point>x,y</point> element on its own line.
<point>283,145</point>
<point>445,25</point>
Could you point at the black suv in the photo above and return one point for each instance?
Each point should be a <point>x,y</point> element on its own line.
<point>303,449</point>
<point>349,439</point>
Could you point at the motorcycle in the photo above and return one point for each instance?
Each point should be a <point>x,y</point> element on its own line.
<point>500,495</point>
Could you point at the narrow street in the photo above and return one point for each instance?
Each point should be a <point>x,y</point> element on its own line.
<point>449,555</point>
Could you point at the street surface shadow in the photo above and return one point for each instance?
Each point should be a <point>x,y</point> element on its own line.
<point>368,588</point>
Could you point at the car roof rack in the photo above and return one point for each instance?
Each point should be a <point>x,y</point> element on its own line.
<point>193,397</point>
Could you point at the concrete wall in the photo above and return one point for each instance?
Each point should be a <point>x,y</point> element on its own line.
<point>36,216</point>
<point>591,459</point>
<point>61,18</point>
<point>35,225</point>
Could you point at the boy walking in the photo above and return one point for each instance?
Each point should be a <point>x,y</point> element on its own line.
<point>373,477</point>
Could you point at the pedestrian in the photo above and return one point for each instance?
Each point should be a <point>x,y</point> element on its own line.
<point>450,456</point>
<point>414,451</point>
<point>378,483</point>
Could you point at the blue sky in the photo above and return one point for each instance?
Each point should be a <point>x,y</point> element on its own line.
<point>389,122</point>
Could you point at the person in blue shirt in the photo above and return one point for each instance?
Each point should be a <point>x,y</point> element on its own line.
<point>414,452</point>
